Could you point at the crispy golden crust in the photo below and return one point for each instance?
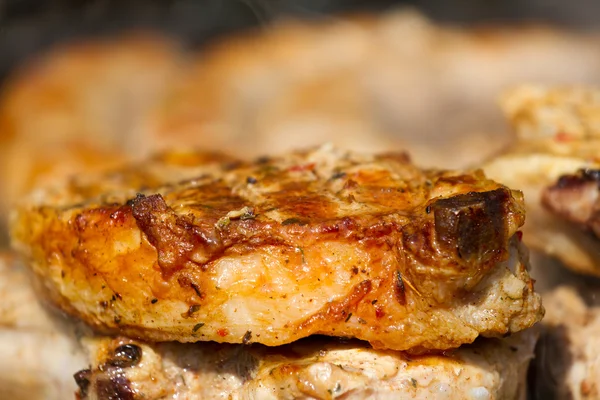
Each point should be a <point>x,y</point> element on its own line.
<point>282,248</point>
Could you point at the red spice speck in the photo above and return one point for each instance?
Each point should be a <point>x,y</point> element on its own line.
<point>304,167</point>
<point>379,312</point>
<point>562,137</point>
<point>222,332</point>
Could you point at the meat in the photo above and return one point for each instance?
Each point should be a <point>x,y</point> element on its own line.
<point>38,348</point>
<point>557,135</point>
<point>576,199</point>
<point>567,363</point>
<point>40,355</point>
<point>271,251</point>
<point>314,368</point>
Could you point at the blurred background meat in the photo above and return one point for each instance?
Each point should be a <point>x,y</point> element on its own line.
<point>28,26</point>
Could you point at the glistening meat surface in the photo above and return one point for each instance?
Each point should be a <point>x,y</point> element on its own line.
<point>317,242</point>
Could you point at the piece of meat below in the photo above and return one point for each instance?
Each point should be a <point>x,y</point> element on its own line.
<point>38,350</point>
<point>39,357</point>
<point>567,364</point>
<point>576,198</point>
<point>314,242</point>
<point>313,368</point>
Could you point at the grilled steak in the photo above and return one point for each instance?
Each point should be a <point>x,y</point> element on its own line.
<point>271,251</point>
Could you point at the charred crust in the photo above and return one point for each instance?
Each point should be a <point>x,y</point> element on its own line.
<point>574,198</point>
<point>82,379</point>
<point>125,356</point>
<point>473,226</point>
<point>115,387</point>
<point>574,181</point>
<point>174,237</point>
<point>247,337</point>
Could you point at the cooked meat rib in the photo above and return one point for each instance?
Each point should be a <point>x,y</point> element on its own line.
<point>315,242</point>
<point>313,368</point>
<point>576,198</point>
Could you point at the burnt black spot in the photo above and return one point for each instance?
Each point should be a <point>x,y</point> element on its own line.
<point>82,379</point>
<point>472,225</point>
<point>251,180</point>
<point>116,387</point>
<point>131,202</point>
<point>126,356</point>
<point>247,337</point>
<point>154,301</point>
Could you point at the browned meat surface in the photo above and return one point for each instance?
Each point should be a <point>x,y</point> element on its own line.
<point>315,242</point>
<point>576,198</point>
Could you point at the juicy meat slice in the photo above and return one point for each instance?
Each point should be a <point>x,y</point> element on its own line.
<point>576,198</point>
<point>314,242</point>
<point>313,368</point>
